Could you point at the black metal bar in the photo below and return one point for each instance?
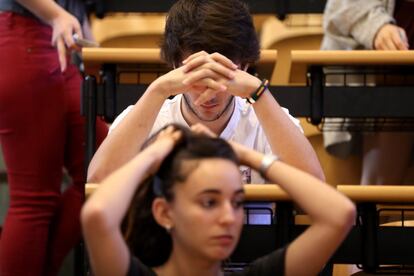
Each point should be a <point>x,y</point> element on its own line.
<point>371,102</point>
<point>282,8</point>
<point>369,233</point>
<point>109,91</point>
<point>284,223</point>
<point>89,111</point>
<point>327,270</point>
<point>316,77</point>
<point>340,102</point>
<point>256,6</point>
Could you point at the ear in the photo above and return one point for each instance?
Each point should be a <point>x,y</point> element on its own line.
<point>161,210</point>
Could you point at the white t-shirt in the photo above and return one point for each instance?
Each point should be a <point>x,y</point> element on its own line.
<point>243,128</point>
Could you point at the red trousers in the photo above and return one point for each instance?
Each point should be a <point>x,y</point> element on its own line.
<point>41,132</point>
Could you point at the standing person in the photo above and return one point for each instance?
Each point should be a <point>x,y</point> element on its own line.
<point>373,25</point>
<point>182,177</point>
<point>210,44</point>
<point>41,131</point>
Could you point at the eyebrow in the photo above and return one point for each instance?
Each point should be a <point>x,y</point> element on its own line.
<point>216,191</point>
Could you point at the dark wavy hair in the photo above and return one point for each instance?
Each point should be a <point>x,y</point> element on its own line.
<point>223,26</point>
<point>146,239</point>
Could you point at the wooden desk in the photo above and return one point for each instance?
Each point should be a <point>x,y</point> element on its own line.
<point>357,193</point>
<point>96,57</point>
<point>359,100</point>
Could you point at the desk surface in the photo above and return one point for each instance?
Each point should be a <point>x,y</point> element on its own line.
<point>93,57</point>
<point>358,193</point>
<point>361,57</point>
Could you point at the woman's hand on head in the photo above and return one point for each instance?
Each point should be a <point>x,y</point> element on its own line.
<point>199,128</point>
<point>64,26</point>
<point>243,153</point>
<point>162,146</point>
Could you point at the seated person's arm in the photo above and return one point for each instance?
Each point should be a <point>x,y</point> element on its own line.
<point>285,138</point>
<point>332,214</point>
<point>104,210</point>
<point>125,141</point>
<point>355,22</point>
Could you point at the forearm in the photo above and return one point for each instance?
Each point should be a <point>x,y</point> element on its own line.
<point>47,10</point>
<point>285,139</point>
<point>126,140</point>
<point>319,200</point>
<point>349,19</point>
<point>109,203</point>
<point>331,213</point>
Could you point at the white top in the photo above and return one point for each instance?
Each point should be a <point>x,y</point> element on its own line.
<point>243,127</point>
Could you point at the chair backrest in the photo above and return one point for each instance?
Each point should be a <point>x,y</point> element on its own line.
<point>297,32</point>
<point>129,30</point>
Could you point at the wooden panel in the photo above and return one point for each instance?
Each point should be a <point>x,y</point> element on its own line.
<point>357,193</point>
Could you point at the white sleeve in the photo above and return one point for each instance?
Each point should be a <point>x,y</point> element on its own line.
<point>120,118</point>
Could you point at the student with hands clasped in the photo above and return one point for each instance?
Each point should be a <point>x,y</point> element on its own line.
<point>182,177</point>
<point>210,45</point>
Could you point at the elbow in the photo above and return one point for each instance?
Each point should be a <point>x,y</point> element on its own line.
<point>93,217</point>
<point>346,215</point>
<point>319,173</point>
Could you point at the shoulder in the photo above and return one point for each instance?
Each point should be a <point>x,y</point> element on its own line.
<point>271,264</point>
<point>137,268</point>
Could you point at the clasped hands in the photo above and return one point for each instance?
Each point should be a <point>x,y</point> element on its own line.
<point>208,74</point>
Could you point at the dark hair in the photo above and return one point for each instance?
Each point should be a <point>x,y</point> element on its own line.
<point>146,239</point>
<point>223,26</point>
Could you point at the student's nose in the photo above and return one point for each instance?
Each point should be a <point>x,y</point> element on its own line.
<point>228,214</point>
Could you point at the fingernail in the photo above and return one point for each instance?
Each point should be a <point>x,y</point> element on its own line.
<point>223,87</point>
<point>235,66</point>
<point>185,82</point>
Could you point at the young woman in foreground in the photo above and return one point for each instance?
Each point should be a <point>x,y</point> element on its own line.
<point>187,213</point>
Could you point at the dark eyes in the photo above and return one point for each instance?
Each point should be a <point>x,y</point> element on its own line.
<point>239,203</point>
<point>210,203</point>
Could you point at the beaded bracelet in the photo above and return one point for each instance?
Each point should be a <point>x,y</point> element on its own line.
<point>258,92</point>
